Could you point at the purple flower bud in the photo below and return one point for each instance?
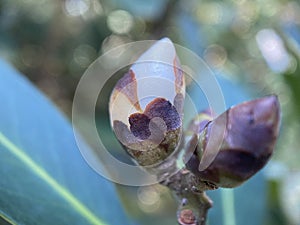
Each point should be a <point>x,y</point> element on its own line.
<point>249,132</point>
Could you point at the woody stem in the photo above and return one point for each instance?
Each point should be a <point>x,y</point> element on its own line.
<point>193,202</point>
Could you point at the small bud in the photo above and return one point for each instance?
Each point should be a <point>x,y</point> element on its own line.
<point>250,132</point>
<point>146,105</point>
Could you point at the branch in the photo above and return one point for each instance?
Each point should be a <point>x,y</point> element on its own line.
<point>193,202</point>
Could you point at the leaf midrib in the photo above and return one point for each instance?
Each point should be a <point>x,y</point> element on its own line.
<point>47,178</point>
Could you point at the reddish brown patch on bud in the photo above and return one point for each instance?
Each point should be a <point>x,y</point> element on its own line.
<point>179,79</point>
<point>187,217</point>
<point>128,85</point>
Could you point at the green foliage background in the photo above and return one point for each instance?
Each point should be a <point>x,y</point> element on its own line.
<point>53,42</point>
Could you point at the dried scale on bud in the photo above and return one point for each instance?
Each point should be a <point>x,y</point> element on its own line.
<point>146,105</point>
<point>250,132</point>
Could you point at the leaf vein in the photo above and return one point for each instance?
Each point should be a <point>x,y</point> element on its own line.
<point>41,173</point>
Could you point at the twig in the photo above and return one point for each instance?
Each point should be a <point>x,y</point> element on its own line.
<point>189,190</point>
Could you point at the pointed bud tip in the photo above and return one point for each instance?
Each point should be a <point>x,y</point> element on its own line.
<point>165,39</point>
<point>264,110</point>
<point>270,110</point>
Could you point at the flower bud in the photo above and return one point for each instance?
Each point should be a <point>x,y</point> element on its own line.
<point>249,132</point>
<point>146,105</point>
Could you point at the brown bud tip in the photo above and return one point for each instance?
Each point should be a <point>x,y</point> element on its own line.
<point>250,132</point>
<point>186,217</point>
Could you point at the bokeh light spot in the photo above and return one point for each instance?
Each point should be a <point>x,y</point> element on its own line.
<point>84,55</point>
<point>149,198</point>
<point>273,50</point>
<point>120,21</point>
<point>215,55</point>
<point>76,7</point>
<point>210,13</point>
<point>110,43</point>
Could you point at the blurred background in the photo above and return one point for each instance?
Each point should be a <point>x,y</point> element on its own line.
<point>252,46</point>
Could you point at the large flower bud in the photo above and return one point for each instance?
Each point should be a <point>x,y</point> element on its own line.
<point>249,132</point>
<point>146,105</point>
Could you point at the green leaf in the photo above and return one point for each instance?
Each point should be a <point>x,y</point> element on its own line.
<point>44,178</point>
